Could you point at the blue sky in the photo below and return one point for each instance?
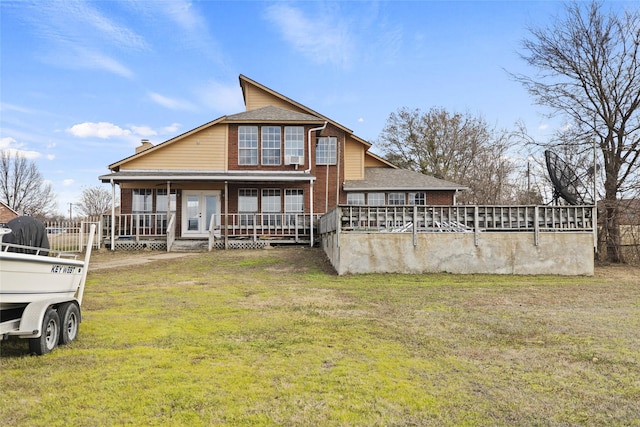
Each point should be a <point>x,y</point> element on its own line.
<point>83,81</point>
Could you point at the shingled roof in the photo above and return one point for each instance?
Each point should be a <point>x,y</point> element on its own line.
<point>273,114</point>
<point>387,179</point>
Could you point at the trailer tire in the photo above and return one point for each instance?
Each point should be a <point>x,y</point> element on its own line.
<point>69,314</point>
<point>48,339</point>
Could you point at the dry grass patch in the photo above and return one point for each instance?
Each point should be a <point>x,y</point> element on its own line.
<point>274,337</point>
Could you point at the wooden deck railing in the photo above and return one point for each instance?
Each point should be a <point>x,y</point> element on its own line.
<point>457,219</point>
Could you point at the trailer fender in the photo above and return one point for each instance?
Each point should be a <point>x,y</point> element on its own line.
<point>31,321</point>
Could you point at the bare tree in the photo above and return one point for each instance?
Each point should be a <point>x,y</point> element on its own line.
<point>589,71</point>
<point>456,147</point>
<point>22,187</point>
<point>95,201</point>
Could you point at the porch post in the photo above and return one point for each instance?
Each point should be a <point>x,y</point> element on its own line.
<point>226,215</point>
<point>168,200</point>
<point>113,215</point>
<point>311,214</point>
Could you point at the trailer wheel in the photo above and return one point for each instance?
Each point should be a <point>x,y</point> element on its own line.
<point>69,322</point>
<point>48,340</point>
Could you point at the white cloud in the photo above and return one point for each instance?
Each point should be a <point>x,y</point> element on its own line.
<point>322,39</point>
<point>543,126</point>
<point>143,131</point>
<point>171,103</point>
<point>68,182</point>
<point>51,156</point>
<point>101,130</point>
<point>172,128</point>
<point>76,34</point>
<point>6,142</point>
<point>361,120</point>
<point>220,97</point>
<point>13,147</point>
<point>97,60</point>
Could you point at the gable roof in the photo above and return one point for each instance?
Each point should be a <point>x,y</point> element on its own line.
<point>6,206</point>
<point>244,80</point>
<point>117,164</point>
<point>264,115</point>
<point>382,179</point>
<point>273,114</point>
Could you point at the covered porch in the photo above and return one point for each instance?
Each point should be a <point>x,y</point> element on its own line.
<point>166,211</point>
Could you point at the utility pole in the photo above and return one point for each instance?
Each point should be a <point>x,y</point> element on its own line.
<point>70,212</point>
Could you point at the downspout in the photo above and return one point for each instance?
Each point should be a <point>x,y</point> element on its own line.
<point>321,128</point>
<point>309,143</point>
<point>338,175</point>
<point>113,215</point>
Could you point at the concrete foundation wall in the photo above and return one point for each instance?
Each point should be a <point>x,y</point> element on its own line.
<point>561,253</point>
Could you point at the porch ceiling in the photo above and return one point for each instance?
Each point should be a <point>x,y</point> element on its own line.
<point>235,176</point>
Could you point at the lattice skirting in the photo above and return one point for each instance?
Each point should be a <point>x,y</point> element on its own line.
<point>241,244</point>
<point>140,246</point>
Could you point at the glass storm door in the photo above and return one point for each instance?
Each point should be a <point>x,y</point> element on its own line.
<point>197,209</point>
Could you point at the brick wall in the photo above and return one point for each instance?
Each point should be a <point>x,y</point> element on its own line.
<point>435,198</point>
<point>6,214</point>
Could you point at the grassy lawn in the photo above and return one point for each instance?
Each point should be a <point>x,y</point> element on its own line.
<point>274,337</point>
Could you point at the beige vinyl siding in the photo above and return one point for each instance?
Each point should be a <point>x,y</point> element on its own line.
<point>258,98</point>
<point>353,160</point>
<point>203,150</point>
<point>372,162</point>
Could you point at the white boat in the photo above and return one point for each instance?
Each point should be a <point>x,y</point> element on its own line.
<point>40,290</point>
<point>26,278</point>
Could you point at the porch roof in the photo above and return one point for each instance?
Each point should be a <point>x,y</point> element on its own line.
<point>388,179</point>
<point>236,176</point>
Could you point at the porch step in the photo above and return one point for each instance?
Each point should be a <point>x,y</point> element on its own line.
<point>190,246</point>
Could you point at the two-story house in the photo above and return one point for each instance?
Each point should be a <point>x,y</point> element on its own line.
<point>263,174</point>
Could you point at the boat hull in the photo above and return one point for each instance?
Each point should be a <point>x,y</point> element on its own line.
<point>26,278</point>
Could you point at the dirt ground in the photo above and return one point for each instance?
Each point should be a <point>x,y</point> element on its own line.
<point>105,259</point>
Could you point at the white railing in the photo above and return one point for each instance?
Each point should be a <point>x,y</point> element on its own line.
<point>72,236</point>
<point>138,225</point>
<point>295,226</point>
<point>171,232</point>
<point>214,231</point>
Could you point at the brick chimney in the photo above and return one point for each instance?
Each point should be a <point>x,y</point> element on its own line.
<point>144,145</point>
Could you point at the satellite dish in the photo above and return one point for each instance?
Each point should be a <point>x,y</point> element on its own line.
<point>566,183</point>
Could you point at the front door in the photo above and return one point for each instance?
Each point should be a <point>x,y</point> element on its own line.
<point>197,210</point>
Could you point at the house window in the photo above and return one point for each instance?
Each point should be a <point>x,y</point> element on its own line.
<point>293,205</point>
<point>161,201</point>
<point>417,199</point>
<point>375,199</point>
<point>162,204</point>
<point>247,205</point>
<point>142,207</point>
<point>247,145</point>
<point>142,200</point>
<point>271,205</point>
<point>396,199</point>
<point>355,198</point>
<point>326,150</point>
<point>294,141</point>
<point>271,141</point>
